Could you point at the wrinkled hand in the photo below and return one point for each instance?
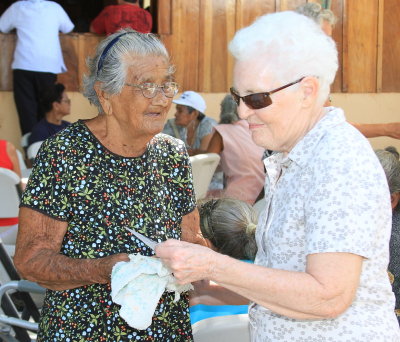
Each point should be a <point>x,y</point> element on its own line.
<point>188,262</point>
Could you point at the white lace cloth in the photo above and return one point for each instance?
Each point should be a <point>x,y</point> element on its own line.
<point>137,286</point>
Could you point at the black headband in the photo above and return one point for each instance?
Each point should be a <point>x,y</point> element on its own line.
<point>107,48</point>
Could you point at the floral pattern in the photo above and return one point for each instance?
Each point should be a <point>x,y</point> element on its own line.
<point>76,179</point>
<point>329,194</point>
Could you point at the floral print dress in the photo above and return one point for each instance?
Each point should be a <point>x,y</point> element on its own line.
<point>77,180</point>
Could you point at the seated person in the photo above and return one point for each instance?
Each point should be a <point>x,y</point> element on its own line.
<point>9,160</point>
<point>190,123</point>
<point>389,159</point>
<point>240,156</point>
<point>124,14</point>
<point>55,104</point>
<point>229,224</point>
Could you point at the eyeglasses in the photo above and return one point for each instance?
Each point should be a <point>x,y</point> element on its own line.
<point>149,90</point>
<point>259,100</point>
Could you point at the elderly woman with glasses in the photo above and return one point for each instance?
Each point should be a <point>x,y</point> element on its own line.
<point>323,237</point>
<point>98,177</point>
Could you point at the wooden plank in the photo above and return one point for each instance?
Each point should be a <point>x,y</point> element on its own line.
<point>7,43</point>
<point>217,27</point>
<point>205,39</point>
<point>337,8</point>
<point>379,46</point>
<point>164,16</point>
<point>391,47</point>
<point>183,44</point>
<point>289,5</point>
<point>251,9</point>
<point>361,45</point>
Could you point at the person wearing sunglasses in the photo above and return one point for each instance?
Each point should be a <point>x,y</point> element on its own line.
<point>190,123</point>
<point>323,235</point>
<point>95,179</point>
<point>55,104</point>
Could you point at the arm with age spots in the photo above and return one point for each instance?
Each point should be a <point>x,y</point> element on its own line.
<point>37,255</point>
<point>324,290</point>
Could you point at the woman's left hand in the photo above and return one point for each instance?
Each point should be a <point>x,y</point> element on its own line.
<point>188,262</point>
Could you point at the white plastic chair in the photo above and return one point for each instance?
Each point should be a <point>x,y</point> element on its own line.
<point>33,150</point>
<point>232,328</point>
<point>9,206</point>
<point>21,161</point>
<point>9,197</point>
<point>203,167</point>
<point>25,140</point>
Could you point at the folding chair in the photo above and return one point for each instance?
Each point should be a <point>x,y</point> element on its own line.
<point>17,323</point>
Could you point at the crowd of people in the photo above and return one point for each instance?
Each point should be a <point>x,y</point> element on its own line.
<point>321,261</point>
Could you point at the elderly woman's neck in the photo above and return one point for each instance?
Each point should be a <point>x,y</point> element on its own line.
<point>117,138</point>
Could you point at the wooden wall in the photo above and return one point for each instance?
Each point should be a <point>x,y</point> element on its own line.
<point>196,32</point>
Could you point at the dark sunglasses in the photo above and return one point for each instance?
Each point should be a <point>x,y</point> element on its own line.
<point>259,100</point>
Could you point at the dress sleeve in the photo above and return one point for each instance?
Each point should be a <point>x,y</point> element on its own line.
<point>181,179</point>
<point>65,23</point>
<point>47,188</point>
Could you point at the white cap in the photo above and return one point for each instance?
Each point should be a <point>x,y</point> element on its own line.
<point>192,99</point>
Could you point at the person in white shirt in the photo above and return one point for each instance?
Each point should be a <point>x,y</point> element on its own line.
<point>37,56</point>
<point>323,236</point>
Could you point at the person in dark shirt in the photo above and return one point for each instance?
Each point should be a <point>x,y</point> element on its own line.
<point>56,105</point>
<point>126,13</point>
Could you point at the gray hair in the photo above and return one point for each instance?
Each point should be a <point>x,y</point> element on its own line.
<point>230,226</point>
<point>389,158</point>
<point>315,11</point>
<point>108,66</point>
<point>292,47</point>
<point>229,113</point>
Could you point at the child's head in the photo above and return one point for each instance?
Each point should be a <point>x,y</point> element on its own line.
<point>230,226</point>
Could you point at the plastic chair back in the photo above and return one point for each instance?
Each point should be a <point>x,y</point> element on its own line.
<point>9,196</point>
<point>33,150</point>
<point>232,328</point>
<point>203,167</point>
<point>21,161</point>
<point>24,140</point>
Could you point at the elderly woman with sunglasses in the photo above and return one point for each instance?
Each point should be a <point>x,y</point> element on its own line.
<point>98,177</point>
<point>320,269</point>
